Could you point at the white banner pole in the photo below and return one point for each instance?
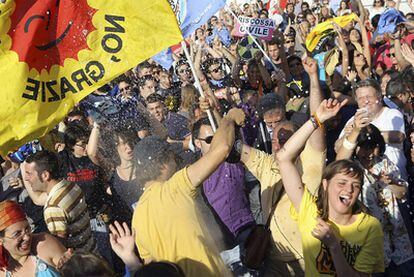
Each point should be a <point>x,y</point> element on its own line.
<point>198,85</point>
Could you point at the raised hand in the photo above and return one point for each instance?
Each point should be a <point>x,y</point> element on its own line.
<point>324,233</point>
<point>329,108</point>
<point>122,239</point>
<point>15,182</point>
<point>65,257</point>
<point>310,65</point>
<point>408,53</point>
<point>237,115</point>
<point>361,119</point>
<point>205,103</point>
<point>351,76</point>
<point>337,28</point>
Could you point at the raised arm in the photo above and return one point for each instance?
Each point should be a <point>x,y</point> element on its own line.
<point>317,139</point>
<point>235,72</point>
<point>343,49</point>
<point>92,147</point>
<point>287,155</point>
<point>197,62</point>
<point>267,80</point>
<point>220,148</point>
<point>365,42</point>
<point>349,142</point>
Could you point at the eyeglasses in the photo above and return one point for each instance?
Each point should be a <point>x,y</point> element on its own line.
<point>289,41</point>
<point>20,234</point>
<point>207,139</point>
<point>215,70</point>
<point>188,70</point>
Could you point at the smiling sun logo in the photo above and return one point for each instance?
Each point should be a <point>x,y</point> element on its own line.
<point>46,32</point>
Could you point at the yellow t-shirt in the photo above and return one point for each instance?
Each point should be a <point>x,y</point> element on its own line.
<point>361,241</point>
<point>169,228</point>
<point>287,245</point>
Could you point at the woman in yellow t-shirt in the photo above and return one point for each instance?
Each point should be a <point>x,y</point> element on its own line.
<point>338,237</point>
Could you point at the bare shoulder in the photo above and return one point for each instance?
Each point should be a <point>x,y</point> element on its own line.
<point>47,246</point>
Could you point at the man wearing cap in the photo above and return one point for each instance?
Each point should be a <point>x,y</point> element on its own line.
<point>166,220</point>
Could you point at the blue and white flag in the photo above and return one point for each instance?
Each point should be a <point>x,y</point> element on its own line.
<point>164,58</point>
<point>191,14</point>
<point>389,20</point>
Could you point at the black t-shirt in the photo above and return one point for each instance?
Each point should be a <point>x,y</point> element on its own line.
<point>128,191</point>
<point>88,176</point>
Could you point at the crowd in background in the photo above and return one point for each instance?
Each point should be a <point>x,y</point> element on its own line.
<point>314,146</point>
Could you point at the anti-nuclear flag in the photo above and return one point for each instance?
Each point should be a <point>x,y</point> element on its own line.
<point>55,52</point>
<point>325,28</point>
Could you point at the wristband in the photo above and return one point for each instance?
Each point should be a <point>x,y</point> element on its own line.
<point>318,122</point>
<point>314,123</point>
<point>348,145</point>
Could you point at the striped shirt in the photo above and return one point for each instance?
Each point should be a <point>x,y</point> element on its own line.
<point>66,212</point>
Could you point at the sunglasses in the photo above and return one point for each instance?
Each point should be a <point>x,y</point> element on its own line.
<point>188,70</point>
<point>215,70</point>
<point>389,55</point>
<point>289,41</point>
<point>125,89</point>
<point>207,139</point>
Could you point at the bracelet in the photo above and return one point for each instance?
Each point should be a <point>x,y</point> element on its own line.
<point>318,122</point>
<point>348,145</point>
<point>313,120</point>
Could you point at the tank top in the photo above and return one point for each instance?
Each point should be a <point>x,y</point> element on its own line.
<point>42,269</point>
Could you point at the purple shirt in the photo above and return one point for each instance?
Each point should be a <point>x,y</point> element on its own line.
<point>224,190</point>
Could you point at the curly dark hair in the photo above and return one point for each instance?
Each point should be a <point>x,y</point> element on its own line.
<point>109,140</point>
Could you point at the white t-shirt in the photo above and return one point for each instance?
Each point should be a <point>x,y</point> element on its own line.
<point>390,120</point>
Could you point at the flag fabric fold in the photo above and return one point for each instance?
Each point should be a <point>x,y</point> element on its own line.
<point>325,28</point>
<point>389,20</point>
<point>53,55</point>
<point>191,14</point>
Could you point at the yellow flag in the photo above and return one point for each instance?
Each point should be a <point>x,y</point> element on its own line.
<point>325,28</point>
<point>53,53</point>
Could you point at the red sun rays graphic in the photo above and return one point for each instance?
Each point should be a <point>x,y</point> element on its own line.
<point>46,32</point>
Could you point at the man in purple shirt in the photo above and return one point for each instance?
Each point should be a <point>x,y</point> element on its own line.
<point>224,189</point>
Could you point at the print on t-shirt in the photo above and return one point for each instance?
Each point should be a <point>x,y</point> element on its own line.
<point>324,261</point>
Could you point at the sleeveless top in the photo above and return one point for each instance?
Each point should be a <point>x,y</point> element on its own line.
<point>42,269</point>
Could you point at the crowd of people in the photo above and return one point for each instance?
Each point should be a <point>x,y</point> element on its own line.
<point>304,166</point>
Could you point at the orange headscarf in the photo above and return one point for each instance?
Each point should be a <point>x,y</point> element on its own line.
<point>10,213</point>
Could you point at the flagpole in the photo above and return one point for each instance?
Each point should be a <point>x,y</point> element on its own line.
<point>198,85</point>
<point>253,38</point>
